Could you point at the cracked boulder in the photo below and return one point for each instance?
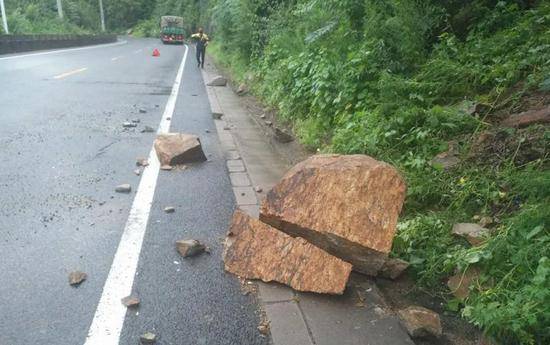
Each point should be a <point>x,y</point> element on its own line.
<point>178,148</point>
<point>255,250</point>
<point>346,205</point>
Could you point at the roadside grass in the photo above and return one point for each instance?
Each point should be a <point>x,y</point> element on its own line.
<point>396,80</point>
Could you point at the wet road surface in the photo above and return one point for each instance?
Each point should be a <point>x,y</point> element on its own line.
<point>63,151</point>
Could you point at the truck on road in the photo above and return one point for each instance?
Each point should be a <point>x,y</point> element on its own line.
<point>171,29</point>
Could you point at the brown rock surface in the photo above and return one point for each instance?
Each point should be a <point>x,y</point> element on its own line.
<point>255,250</point>
<point>474,233</point>
<point>460,283</point>
<point>527,118</point>
<point>346,205</point>
<point>178,148</point>
<point>421,322</point>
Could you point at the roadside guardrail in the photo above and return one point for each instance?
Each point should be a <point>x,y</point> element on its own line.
<point>23,43</point>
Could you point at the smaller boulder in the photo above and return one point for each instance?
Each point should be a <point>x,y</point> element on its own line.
<point>242,90</point>
<point>474,233</point>
<point>147,129</point>
<point>129,124</point>
<point>130,301</point>
<point>76,278</point>
<point>148,338</point>
<point>528,118</point>
<point>189,248</point>
<point>169,209</point>
<point>282,136</point>
<point>123,188</point>
<point>178,148</point>
<point>460,283</point>
<point>218,81</point>
<point>421,322</point>
<point>393,268</point>
<point>142,162</point>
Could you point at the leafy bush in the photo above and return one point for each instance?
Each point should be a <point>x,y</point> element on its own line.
<point>392,79</point>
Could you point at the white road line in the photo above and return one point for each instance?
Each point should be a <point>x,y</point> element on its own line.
<point>116,58</point>
<point>63,50</point>
<point>110,313</point>
<point>63,75</point>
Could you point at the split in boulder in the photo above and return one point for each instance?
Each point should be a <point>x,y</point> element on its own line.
<point>255,250</point>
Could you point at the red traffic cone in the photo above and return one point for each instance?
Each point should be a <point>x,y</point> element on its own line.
<point>156,52</point>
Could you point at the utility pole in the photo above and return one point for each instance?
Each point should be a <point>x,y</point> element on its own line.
<point>102,15</point>
<point>60,9</point>
<point>4,18</point>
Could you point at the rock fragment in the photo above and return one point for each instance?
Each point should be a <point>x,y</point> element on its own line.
<point>130,301</point>
<point>421,322</point>
<point>189,248</point>
<point>255,250</point>
<point>128,124</point>
<point>169,209</point>
<point>282,136</point>
<point>393,268</point>
<point>136,120</point>
<point>148,338</point>
<point>263,328</point>
<point>123,188</point>
<point>178,148</point>
<point>142,111</point>
<point>242,89</point>
<point>218,81</point>
<point>447,159</point>
<point>528,118</point>
<point>258,189</point>
<point>137,172</point>
<point>166,167</point>
<point>345,204</point>
<point>147,129</point>
<point>77,277</point>
<point>142,162</point>
<point>460,283</point>
<point>474,233</point>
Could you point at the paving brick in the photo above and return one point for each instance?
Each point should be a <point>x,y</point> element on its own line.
<point>252,210</point>
<point>239,179</point>
<point>232,154</point>
<point>275,292</point>
<point>347,320</point>
<point>287,325</point>
<point>235,165</point>
<point>245,196</point>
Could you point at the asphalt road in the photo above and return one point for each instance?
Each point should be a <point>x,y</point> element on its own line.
<point>63,150</point>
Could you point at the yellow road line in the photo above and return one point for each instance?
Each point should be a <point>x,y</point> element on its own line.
<point>70,73</point>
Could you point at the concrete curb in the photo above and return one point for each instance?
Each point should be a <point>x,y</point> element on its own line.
<point>359,317</point>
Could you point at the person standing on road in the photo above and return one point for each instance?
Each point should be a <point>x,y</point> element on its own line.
<point>202,42</point>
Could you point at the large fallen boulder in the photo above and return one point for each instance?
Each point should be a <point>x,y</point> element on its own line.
<point>345,204</point>
<point>178,148</point>
<point>255,250</point>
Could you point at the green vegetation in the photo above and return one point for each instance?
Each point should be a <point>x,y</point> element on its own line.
<point>40,16</point>
<point>395,79</point>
